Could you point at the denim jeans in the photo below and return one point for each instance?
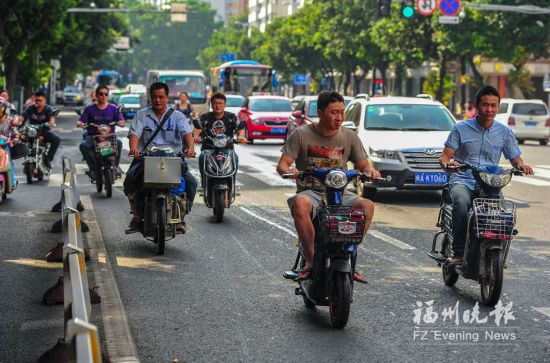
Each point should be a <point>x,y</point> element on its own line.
<point>87,148</point>
<point>461,196</point>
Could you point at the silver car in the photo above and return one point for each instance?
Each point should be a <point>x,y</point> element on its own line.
<point>404,138</point>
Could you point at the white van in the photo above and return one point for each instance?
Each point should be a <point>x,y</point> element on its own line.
<point>192,82</point>
<point>528,119</point>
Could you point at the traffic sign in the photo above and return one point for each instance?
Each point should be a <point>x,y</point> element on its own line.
<point>449,20</point>
<point>426,7</point>
<point>299,79</point>
<point>449,7</point>
<point>228,57</point>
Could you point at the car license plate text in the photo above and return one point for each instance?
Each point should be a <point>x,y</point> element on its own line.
<point>278,130</point>
<point>530,123</point>
<point>430,178</point>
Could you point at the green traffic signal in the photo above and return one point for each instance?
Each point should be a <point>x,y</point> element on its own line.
<point>407,12</point>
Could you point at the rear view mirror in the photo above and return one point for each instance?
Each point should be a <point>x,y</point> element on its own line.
<point>78,112</point>
<point>297,114</point>
<point>197,124</point>
<point>55,112</point>
<point>349,125</point>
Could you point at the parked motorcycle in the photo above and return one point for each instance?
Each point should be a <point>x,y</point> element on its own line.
<point>6,184</point>
<point>338,232</point>
<point>164,193</point>
<point>33,166</point>
<point>220,173</point>
<point>106,152</point>
<point>490,232</point>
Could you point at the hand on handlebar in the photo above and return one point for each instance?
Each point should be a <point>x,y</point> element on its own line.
<point>242,140</point>
<point>190,153</point>
<point>134,153</point>
<point>291,173</point>
<point>452,166</point>
<point>80,124</point>
<point>526,169</point>
<point>198,139</point>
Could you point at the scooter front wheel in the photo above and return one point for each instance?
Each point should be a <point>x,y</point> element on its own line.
<point>491,280</point>
<point>219,205</point>
<point>340,300</point>
<point>161,225</point>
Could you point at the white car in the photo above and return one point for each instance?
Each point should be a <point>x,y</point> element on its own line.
<point>131,103</point>
<point>404,138</point>
<point>528,119</point>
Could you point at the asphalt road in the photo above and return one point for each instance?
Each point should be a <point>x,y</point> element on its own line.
<point>218,294</point>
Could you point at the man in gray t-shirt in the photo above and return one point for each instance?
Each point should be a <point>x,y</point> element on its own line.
<point>325,144</point>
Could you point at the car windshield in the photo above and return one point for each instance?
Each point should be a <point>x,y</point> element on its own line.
<point>71,89</point>
<point>533,109</point>
<point>235,101</point>
<point>312,111</point>
<point>503,108</point>
<point>128,99</point>
<point>408,117</point>
<point>271,105</point>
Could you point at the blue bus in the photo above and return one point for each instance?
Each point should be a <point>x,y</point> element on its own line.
<point>244,77</point>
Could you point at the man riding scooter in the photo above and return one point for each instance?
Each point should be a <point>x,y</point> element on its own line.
<point>100,113</point>
<point>480,142</point>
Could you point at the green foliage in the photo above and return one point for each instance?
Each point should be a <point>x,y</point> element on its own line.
<point>433,86</point>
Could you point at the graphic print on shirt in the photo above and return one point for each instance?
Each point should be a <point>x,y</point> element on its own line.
<point>323,157</point>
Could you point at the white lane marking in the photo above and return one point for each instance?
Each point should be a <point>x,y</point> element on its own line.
<point>543,173</point>
<point>273,179</point>
<point>290,232</point>
<point>55,180</point>
<point>290,194</point>
<point>197,174</point>
<point>543,166</point>
<point>516,201</point>
<point>531,181</point>
<point>545,311</point>
<point>395,242</point>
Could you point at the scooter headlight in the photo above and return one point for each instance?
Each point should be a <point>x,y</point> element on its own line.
<point>220,141</point>
<point>32,132</point>
<point>105,129</point>
<point>496,180</point>
<point>336,179</point>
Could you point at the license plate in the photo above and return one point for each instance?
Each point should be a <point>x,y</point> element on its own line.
<point>278,130</point>
<point>530,123</point>
<point>104,144</point>
<point>130,114</point>
<point>430,178</point>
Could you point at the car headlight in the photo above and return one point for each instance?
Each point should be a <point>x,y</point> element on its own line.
<point>383,154</point>
<point>336,179</point>
<point>495,180</point>
<point>256,121</point>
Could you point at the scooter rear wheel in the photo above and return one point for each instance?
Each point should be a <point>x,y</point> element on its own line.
<point>219,205</point>
<point>491,280</point>
<point>340,300</point>
<point>108,179</point>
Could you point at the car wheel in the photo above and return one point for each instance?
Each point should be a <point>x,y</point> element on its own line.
<point>544,142</point>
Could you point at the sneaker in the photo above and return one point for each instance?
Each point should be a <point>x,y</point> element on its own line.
<point>118,172</point>
<point>47,163</point>
<point>136,225</point>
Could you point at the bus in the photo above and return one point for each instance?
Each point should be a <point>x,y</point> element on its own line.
<point>111,79</point>
<point>244,77</point>
<point>192,82</point>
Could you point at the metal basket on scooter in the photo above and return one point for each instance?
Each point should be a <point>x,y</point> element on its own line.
<point>494,218</point>
<point>341,225</point>
<point>19,150</point>
<point>106,145</point>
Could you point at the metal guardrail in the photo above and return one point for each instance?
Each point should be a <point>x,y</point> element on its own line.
<point>81,341</point>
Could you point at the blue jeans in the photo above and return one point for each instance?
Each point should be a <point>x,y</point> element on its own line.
<point>87,148</point>
<point>461,196</point>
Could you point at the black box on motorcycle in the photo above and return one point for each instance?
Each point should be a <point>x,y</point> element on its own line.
<point>19,150</point>
<point>161,172</point>
<point>342,225</point>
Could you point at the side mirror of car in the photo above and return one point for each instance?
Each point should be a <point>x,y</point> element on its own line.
<point>242,125</point>
<point>297,114</point>
<point>197,124</point>
<point>78,112</point>
<point>55,112</point>
<point>120,108</point>
<point>13,112</point>
<point>244,110</point>
<point>349,125</point>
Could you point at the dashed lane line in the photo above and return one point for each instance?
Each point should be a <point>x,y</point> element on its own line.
<point>389,239</point>
<point>545,311</point>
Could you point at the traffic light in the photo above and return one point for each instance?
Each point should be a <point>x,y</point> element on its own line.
<point>407,9</point>
<point>384,7</point>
